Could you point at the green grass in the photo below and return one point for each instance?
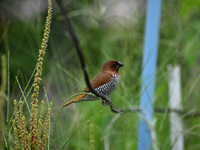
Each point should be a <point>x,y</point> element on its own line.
<point>102,40</point>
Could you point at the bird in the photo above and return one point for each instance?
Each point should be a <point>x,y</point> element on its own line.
<point>104,82</point>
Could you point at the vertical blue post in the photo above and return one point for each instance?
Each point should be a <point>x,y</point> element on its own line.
<point>149,73</point>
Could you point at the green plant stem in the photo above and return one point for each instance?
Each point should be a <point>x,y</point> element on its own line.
<point>82,125</point>
<point>10,121</point>
<point>54,127</point>
<point>49,118</point>
<point>8,100</point>
<point>23,95</point>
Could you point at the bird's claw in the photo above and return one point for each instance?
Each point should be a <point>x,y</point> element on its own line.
<point>105,103</point>
<point>116,110</point>
<point>109,102</point>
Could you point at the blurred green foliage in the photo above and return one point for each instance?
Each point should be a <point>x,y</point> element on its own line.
<point>102,37</point>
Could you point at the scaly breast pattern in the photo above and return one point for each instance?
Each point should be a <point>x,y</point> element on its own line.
<point>109,87</point>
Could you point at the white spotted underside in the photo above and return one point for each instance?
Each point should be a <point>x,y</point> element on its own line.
<point>109,87</point>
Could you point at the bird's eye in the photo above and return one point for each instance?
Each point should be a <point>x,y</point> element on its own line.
<point>114,64</point>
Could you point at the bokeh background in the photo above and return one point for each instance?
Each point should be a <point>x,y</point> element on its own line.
<point>106,30</point>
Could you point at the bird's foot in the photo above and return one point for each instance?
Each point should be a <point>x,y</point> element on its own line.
<point>106,102</point>
<point>109,102</point>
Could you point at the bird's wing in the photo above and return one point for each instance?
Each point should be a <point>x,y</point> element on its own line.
<point>100,79</point>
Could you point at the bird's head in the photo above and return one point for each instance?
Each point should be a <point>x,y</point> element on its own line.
<point>112,65</point>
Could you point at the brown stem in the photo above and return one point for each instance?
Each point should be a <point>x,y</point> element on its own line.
<point>81,59</point>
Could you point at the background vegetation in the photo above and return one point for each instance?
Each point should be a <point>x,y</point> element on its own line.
<point>103,34</point>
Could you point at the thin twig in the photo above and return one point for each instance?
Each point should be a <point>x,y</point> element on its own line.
<point>168,110</point>
<point>82,61</point>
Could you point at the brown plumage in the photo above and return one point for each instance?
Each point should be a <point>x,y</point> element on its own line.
<point>104,82</point>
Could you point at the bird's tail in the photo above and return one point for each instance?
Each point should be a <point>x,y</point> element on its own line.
<point>78,98</point>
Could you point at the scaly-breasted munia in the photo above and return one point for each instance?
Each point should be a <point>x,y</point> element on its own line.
<point>104,82</point>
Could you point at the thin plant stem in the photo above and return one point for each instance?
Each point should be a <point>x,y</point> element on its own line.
<point>49,117</point>
<point>23,94</point>
<point>82,125</point>
<point>8,100</point>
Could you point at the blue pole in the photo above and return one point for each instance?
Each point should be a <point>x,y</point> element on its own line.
<point>149,73</point>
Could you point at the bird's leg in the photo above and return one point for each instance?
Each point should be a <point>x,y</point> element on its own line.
<point>103,102</point>
<point>109,102</point>
<point>106,102</point>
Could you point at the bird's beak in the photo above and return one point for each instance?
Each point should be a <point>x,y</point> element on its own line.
<point>119,65</point>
